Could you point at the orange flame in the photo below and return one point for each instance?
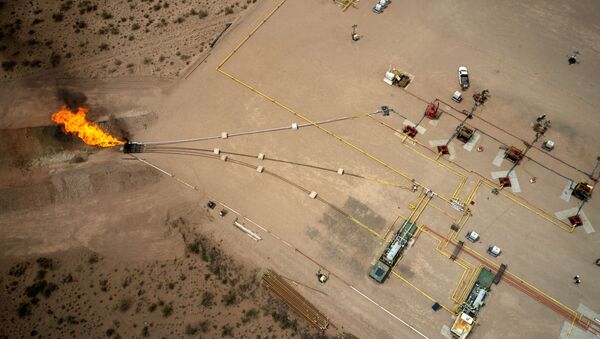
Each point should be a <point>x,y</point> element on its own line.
<point>86,130</point>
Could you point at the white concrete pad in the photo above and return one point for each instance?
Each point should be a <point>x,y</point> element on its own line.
<point>451,152</point>
<point>437,142</point>
<point>474,139</point>
<point>445,331</point>
<point>499,158</point>
<point>434,122</point>
<point>566,332</point>
<point>565,214</point>
<point>566,193</point>
<point>419,129</point>
<point>588,312</point>
<point>514,180</point>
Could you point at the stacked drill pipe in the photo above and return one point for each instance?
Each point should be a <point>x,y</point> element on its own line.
<point>297,302</point>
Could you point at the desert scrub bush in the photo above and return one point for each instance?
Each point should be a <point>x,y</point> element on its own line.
<point>167,310</point>
<point>106,16</point>
<point>135,26</point>
<point>284,321</point>
<point>79,25</point>
<point>45,263</point>
<point>36,21</point>
<point>207,299</point>
<point>18,269</point>
<point>228,10</point>
<point>147,61</point>
<point>58,17</point>
<point>86,6</point>
<point>124,305</point>
<point>40,287</point>
<point>94,258</point>
<point>103,285</point>
<point>54,59</point>
<point>250,315</point>
<point>202,14</point>
<point>195,246</point>
<point>152,307</point>
<point>145,332</point>
<point>41,274</point>
<point>200,327</point>
<point>66,6</point>
<point>230,298</point>
<point>68,279</point>
<point>227,331</point>
<point>8,66</point>
<point>24,310</point>
<point>103,47</point>
<point>179,20</point>
<point>127,281</point>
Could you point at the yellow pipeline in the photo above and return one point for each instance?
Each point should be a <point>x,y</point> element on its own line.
<point>526,283</point>
<point>391,226</point>
<point>453,219</point>
<point>539,213</point>
<point>251,34</point>
<point>462,176</point>
<point>383,182</point>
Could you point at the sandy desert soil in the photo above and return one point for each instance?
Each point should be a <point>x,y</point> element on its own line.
<point>79,293</point>
<point>96,211</point>
<point>99,39</point>
<point>192,290</point>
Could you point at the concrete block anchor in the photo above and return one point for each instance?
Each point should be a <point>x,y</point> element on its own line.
<point>313,195</point>
<point>260,169</point>
<point>261,156</point>
<point>294,126</point>
<point>216,151</point>
<point>340,171</point>
<point>224,135</point>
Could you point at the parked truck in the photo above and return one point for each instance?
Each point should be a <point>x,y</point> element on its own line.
<point>463,77</point>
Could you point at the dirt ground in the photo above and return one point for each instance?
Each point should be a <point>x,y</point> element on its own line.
<point>293,62</point>
<point>100,39</point>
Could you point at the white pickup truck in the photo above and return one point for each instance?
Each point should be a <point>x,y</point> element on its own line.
<point>463,77</point>
<point>380,6</point>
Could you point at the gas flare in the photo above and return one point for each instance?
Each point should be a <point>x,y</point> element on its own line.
<point>87,131</point>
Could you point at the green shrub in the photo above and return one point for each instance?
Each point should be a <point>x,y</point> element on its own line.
<point>207,299</point>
